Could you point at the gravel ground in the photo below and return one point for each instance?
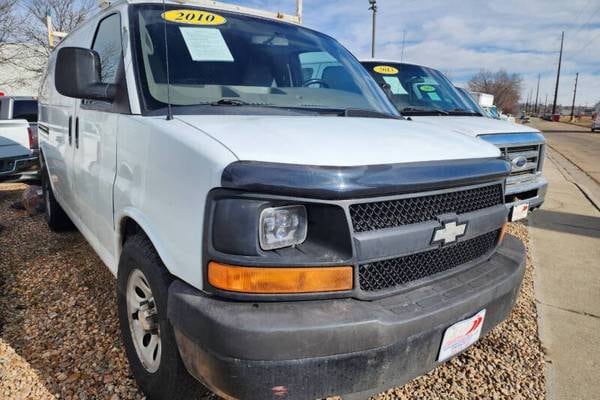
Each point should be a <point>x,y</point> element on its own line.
<point>59,335</point>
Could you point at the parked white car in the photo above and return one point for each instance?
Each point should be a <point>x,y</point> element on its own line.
<point>18,137</point>
<point>596,121</point>
<point>273,235</point>
<point>425,94</point>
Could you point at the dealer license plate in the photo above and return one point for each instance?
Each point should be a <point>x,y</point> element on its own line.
<point>519,211</point>
<point>461,335</point>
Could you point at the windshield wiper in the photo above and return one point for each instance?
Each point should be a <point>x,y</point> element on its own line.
<point>462,111</point>
<point>416,111</point>
<point>230,102</point>
<point>360,113</point>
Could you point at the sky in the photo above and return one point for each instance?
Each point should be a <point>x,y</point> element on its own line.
<point>462,37</point>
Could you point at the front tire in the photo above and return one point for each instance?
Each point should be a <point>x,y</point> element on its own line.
<point>56,218</point>
<point>148,337</point>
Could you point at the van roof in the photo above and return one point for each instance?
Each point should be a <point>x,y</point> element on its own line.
<point>217,5</point>
<point>390,61</point>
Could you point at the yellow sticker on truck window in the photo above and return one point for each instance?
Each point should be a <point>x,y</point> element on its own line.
<point>193,17</point>
<point>386,70</point>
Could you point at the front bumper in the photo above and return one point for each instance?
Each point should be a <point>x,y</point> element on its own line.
<point>314,349</point>
<point>531,190</point>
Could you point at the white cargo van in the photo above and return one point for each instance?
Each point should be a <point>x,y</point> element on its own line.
<point>273,235</point>
<point>425,94</point>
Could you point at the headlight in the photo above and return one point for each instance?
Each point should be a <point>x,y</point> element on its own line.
<point>282,227</point>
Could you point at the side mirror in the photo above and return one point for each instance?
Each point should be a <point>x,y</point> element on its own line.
<point>77,74</point>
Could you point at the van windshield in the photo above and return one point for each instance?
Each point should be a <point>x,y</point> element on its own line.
<point>417,90</point>
<point>228,59</point>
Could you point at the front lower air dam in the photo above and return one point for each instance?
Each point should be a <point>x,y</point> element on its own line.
<point>279,280</point>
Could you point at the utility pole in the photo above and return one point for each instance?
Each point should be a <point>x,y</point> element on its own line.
<point>574,94</point>
<point>527,105</point>
<point>562,39</point>
<point>373,8</point>
<point>546,104</point>
<point>537,93</point>
<point>403,40</point>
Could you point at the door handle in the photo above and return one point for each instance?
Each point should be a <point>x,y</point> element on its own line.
<point>70,131</point>
<point>77,132</point>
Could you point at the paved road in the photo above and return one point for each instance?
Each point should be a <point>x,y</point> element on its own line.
<point>565,236</point>
<point>576,143</point>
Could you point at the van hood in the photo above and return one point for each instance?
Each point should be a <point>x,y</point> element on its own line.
<point>337,141</point>
<point>475,126</point>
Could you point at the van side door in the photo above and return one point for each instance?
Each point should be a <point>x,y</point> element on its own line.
<point>95,130</point>
<point>56,115</point>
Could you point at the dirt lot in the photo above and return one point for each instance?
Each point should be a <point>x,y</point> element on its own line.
<point>59,335</point>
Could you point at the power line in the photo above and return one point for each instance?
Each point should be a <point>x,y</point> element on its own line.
<point>586,45</point>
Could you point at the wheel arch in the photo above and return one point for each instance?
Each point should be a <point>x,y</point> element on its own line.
<point>132,222</point>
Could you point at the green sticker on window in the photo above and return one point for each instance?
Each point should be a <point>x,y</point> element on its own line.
<point>426,88</point>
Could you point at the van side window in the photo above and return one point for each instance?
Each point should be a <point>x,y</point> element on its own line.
<point>109,47</point>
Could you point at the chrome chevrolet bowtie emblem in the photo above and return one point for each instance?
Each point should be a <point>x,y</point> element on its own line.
<point>448,232</point>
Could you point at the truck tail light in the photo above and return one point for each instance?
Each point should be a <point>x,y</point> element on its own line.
<point>33,143</point>
<point>279,280</point>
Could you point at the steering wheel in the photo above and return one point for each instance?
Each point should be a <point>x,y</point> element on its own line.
<point>316,81</point>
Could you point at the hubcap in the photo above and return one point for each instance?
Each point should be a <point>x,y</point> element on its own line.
<point>143,321</point>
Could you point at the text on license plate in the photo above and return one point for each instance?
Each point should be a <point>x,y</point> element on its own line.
<point>461,335</point>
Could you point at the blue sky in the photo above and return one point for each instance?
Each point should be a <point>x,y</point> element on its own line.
<point>461,37</point>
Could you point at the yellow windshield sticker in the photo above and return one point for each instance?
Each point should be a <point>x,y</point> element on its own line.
<point>193,17</point>
<point>385,70</point>
<point>427,88</point>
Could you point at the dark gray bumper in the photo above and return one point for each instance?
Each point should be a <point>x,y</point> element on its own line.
<point>313,349</point>
<point>18,166</point>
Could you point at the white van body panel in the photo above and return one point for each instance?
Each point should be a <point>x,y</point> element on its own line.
<point>165,170</point>
<point>475,126</point>
<point>158,172</point>
<point>336,141</point>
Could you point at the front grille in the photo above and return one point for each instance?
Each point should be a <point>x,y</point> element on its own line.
<point>531,153</point>
<point>393,213</point>
<point>399,271</point>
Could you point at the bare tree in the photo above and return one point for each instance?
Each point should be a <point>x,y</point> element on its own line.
<point>505,87</point>
<point>66,15</point>
<point>8,25</point>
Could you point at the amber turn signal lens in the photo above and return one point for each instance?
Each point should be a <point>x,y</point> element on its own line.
<point>502,233</point>
<point>279,280</point>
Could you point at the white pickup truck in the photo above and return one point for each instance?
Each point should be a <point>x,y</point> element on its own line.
<point>18,139</point>
<point>425,94</point>
<point>273,235</point>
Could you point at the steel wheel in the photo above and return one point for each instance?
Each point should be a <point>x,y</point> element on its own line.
<point>143,321</point>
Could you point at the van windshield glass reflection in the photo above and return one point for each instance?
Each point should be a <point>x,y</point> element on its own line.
<point>237,60</point>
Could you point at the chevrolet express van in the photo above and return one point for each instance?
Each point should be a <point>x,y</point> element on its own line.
<point>425,94</point>
<point>273,235</point>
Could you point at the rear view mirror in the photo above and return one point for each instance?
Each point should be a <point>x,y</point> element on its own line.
<point>78,75</point>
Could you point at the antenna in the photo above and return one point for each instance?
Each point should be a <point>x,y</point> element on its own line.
<point>169,108</point>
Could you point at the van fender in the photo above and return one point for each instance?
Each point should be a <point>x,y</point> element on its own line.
<point>147,228</point>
